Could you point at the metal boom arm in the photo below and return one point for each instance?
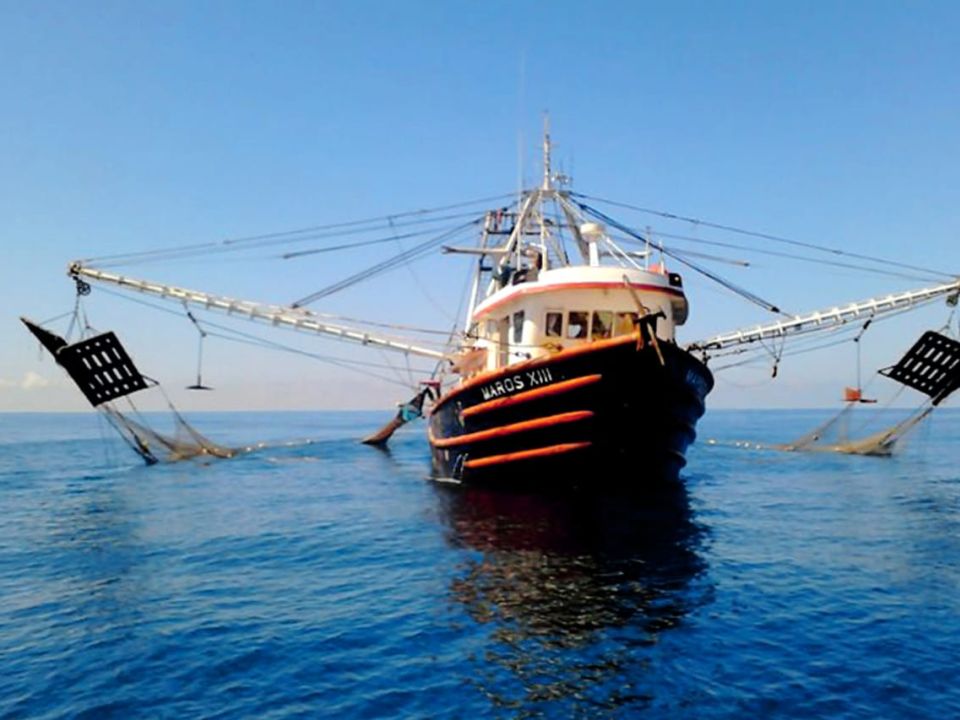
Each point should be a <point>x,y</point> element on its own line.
<point>826,319</point>
<point>276,315</point>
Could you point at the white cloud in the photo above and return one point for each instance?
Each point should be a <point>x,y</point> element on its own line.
<point>33,380</point>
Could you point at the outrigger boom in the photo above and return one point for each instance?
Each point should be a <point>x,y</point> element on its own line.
<point>276,315</point>
<point>826,319</point>
<point>307,321</point>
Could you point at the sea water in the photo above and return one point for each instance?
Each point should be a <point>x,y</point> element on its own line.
<point>335,580</point>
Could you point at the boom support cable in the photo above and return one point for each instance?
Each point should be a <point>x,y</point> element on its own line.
<point>788,256</point>
<point>402,258</point>
<point>742,292</point>
<point>289,236</point>
<point>238,336</point>
<point>765,236</point>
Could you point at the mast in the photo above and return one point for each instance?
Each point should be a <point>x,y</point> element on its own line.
<point>825,319</point>
<point>276,315</point>
<point>488,225</point>
<point>546,154</point>
<point>546,189</point>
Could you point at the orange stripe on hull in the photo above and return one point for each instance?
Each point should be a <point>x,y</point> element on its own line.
<point>594,346</point>
<point>506,430</point>
<point>526,455</point>
<point>530,395</point>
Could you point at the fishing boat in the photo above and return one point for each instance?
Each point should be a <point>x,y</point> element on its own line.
<point>573,371</point>
<point>567,370</point>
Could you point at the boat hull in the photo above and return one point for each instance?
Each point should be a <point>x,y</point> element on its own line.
<point>609,414</point>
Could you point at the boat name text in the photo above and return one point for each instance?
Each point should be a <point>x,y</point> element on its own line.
<point>516,383</point>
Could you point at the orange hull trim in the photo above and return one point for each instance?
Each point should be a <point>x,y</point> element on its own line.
<point>506,430</point>
<point>526,454</point>
<point>489,375</point>
<point>530,395</point>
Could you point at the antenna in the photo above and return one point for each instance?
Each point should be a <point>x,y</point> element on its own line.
<point>546,151</point>
<point>520,103</point>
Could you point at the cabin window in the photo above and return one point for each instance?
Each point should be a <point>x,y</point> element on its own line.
<point>518,326</point>
<point>554,324</point>
<point>602,324</point>
<point>503,340</point>
<point>577,325</point>
<point>625,323</point>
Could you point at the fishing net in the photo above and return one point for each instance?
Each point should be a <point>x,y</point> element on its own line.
<point>105,373</point>
<point>835,435</point>
<point>931,366</point>
<point>184,443</point>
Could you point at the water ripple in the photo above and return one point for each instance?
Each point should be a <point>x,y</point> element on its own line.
<point>330,580</point>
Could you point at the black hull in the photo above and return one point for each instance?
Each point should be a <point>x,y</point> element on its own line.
<point>606,416</point>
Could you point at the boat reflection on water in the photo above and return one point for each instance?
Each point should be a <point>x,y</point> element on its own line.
<point>575,591</point>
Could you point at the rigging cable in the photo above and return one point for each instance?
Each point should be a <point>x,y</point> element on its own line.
<point>203,336</point>
<point>392,326</point>
<point>287,236</point>
<point>752,356</point>
<point>353,365</point>
<point>416,278</point>
<point>789,256</point>
<point>742,292</point>
<point>764,236</point>
<point>807,336</point>
<point>856,341</point>
<point>175,254</point>
<point>351,246</point>
<point>239,336</point>
<point>413,253</point>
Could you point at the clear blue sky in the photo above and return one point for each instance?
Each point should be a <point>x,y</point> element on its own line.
<point>129,125</point>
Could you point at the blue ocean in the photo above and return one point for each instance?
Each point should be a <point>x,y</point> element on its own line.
<point>331,579</point>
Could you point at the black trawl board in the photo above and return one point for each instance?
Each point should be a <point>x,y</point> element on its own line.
<point>101,368</point>
<point>931,366</point>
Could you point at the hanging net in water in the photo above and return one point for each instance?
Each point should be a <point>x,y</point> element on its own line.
<point>931,366</point>
<point>104,372</point>
<point>184,443</point>
<point>835,436</point>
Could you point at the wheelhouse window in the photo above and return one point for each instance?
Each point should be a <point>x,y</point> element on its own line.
<point>577,325</point>
<point>518,326</point>
<point>625,323</point>
<point>602,324</point>
<point>503,340</point>
<point>553,326</point>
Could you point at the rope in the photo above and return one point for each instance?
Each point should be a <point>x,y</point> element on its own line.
<point>766,236</point>
<point>839,329</point>
<point>255,340</point>
<point>788,256</point>
<point>278,238</point>
<point>364,243</point>
<point>210,323</point>
<point>746,294</point>
<point>338,362</point>
<point>413,253</point>
<point>416,278</point>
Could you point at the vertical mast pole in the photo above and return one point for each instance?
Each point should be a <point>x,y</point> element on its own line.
<point>546,188</point>
<point>546,152</point>
<point>488,225</point>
